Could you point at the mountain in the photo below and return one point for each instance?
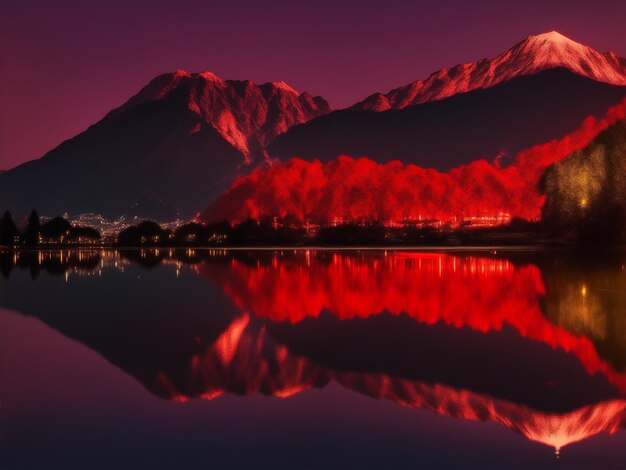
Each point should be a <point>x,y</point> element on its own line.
<point>499,121</point>
<point>539,90</point>
<point>246,115</point>
<point>179,141</point>
<point>534,54</point>
<point>170,150</point>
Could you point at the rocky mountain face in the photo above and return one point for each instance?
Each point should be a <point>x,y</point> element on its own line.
<point>246,115</point>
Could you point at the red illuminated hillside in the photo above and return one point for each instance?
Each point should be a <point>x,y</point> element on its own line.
<point>348,189</point>
<point>534,54</point>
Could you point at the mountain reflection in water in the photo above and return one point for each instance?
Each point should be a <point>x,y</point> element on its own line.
<point>533,341</point>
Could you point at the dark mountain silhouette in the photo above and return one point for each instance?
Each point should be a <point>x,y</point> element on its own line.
<point>485,123</point>
<point>179,141</point>
<point>151,148</point>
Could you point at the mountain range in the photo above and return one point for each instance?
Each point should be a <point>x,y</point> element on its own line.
<point>171,149</point>
<point>534,54</point>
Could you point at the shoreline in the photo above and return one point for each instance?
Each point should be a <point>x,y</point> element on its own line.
<point>357,248</point>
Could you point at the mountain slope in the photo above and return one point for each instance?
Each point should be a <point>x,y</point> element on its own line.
<point>503,119</point>
<point>178,142</point>
<point>155,150</point>
<point>534,54</point>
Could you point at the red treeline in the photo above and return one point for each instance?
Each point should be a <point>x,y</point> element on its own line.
<point>350,189</point>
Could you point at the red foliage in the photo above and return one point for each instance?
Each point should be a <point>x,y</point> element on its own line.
<point>360,189</point>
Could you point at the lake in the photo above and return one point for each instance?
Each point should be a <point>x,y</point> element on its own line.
<point>185,359</point>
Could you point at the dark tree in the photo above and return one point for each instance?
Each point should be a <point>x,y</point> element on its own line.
<point>33,229</point>
<point>128,237</point>
<point>56,230</point>
<point>33,220</point>
<point>9,234</point>
<point>191,234</point>
<point>84,234</point>
<point>147,233</point>
<point>219,232</point>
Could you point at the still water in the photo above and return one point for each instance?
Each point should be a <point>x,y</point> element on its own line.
<point>312,359</point>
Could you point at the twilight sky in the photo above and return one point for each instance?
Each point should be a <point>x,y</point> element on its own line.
<point>66,63</point>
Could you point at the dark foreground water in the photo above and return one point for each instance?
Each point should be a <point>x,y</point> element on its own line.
<point>312,359</point>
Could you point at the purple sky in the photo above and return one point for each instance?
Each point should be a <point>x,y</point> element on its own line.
<point>65,63</point>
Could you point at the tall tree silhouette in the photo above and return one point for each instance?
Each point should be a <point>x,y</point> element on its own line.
<point>9,234</point>
<point>33,229</point>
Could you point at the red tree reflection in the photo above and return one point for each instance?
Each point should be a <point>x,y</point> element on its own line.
<point>481,293</point>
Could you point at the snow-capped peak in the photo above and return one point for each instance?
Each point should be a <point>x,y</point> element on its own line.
<point>550,50</point>
<point>532,55</point>
<point>284,86</point>
<point>553,37</point>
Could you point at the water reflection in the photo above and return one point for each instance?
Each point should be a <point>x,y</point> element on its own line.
<point>534,342</point>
